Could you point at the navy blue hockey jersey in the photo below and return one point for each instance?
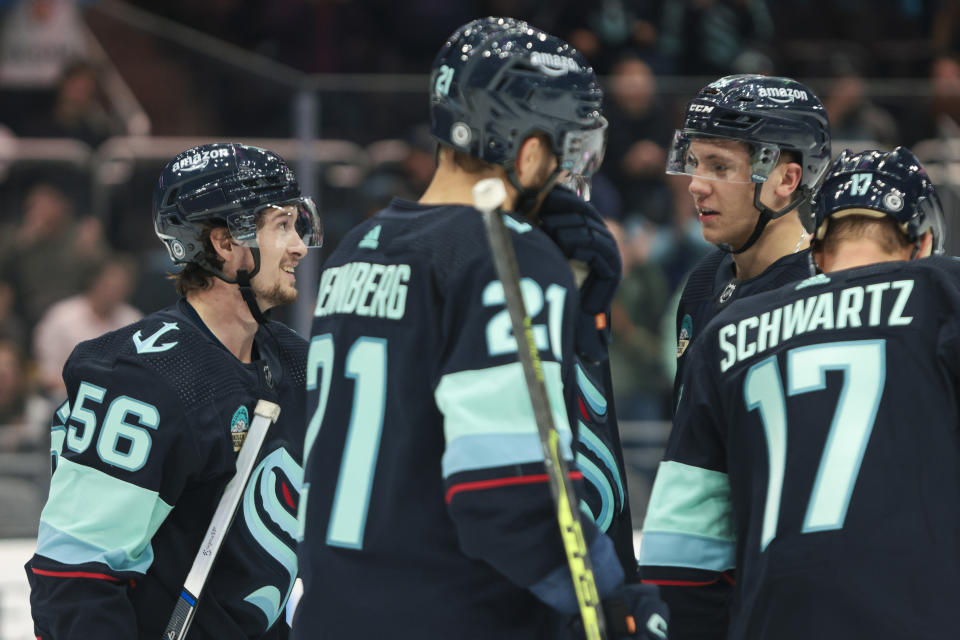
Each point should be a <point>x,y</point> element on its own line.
<point>712,285</point>
<point>427,509</point>
<point>142,451</point>
<point>816,450</point>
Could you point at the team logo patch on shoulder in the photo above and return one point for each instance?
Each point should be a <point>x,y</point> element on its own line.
<point>149,344</point>
<point>239,425</point>
<point>686,334</point>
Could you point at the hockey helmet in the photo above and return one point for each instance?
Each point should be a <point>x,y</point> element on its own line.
<point>498,81</point>
<point>878,184</point>
<point>228,183</point>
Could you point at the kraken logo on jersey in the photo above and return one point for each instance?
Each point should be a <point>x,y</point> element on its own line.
<point>269,512</point>
<point>686,334</point>
<point>239,425</point>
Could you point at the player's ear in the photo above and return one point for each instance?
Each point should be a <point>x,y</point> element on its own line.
<point>529,159</point>
<point>790,175</point>
<point>926,245</point>
<point>222,242</point>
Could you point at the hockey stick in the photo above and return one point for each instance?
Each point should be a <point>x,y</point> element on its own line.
<point>265,414</point>
<point>488,195</point>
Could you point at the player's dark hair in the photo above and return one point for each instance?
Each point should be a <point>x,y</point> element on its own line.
<point>194,277</point>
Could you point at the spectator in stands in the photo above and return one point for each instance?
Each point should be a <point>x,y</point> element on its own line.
<point>636,151</point>
<point>102,307</point>
<point>854,118</point>
<point>78,109</point>
<point>11,326</point>
<point>17,431</point>
<point>640,388</point>
<point>43,257</point>
<point>38,39</point>
<point>705,37</point>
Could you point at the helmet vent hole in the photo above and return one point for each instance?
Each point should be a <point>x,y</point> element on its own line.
<point>736,121</point>
<point>172,196</point>
<point>745,99</point>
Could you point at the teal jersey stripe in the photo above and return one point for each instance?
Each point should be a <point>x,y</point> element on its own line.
<point>690,500</point>
<point>484,451</point>
<point>64,548</point>
<point>592,395</point>
<point>594,444</point>
<point>593,475</point>
<point>496,401</point>
<point>663,549</point>
<point>82,500</point>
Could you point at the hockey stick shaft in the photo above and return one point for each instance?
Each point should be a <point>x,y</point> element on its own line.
<point>264,415</point>
<point>488,195</point>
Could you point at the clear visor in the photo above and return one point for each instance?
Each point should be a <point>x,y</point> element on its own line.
<point>298,217</point>
<point>722,159</point>
<point>581,156</point>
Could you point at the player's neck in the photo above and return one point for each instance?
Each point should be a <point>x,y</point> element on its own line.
<point>226,315</point>
<point>857,253</point>
<point>781,237</point>
<point>451,186</point>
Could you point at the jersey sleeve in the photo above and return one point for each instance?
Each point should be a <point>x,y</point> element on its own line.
<point>688,544</point>
<point>496,484</point>
<point>599,457</point>
<point>122,455</point>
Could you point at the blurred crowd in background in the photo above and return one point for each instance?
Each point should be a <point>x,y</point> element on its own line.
<point>78,256</point>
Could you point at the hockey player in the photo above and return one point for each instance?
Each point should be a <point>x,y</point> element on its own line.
<point>816,442</point>
<point>157,411</point>
<point>427,512</point>
<point>756,148</point>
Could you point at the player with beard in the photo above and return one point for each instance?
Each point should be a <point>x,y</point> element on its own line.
<point>158,410</point>
<point>427,511</point>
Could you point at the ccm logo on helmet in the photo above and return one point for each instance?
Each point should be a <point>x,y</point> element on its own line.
<point>199,160</point>
<point>553,64</point>
<point>782,95</point>
<point>703,108</point>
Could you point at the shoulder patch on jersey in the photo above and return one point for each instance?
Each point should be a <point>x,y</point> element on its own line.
<point>686,334</point>
<point>820,278</point>
<point>371,240</point>
<point>239,425</point>
<point>149,345</point>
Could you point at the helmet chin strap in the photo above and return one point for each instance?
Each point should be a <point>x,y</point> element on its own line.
<point>766,215</point>
<point>243,282</point>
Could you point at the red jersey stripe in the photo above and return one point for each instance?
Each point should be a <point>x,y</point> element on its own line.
<point>502,482</point>
<point>76,574</point>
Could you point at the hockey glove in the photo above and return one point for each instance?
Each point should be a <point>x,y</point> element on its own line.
<point>578,229</point>
<point>633,611</point>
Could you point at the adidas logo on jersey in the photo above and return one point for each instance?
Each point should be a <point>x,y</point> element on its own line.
<point>371,240</point>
